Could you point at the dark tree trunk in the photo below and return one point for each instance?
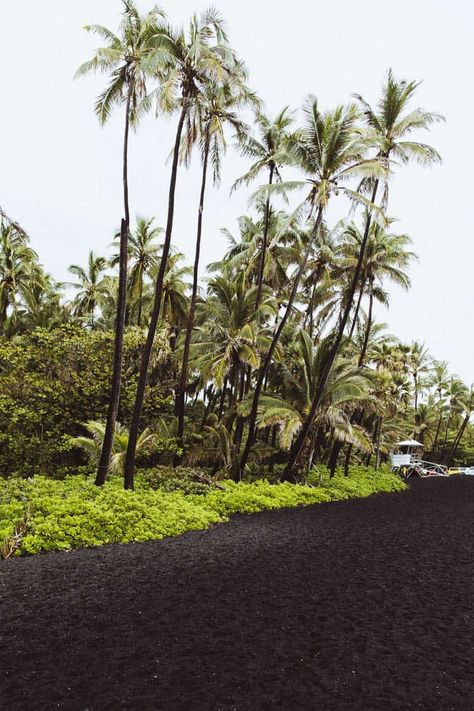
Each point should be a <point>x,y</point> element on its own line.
<point>356,312</point>
<point>275,340</point>
<point>347,460</point>
<point>261,266</point>
<point>298,445</point>
<point>438,429</point>
<point>457,440</point>
<point>114,399</point>
<point>363,352</point>
<point>333,458</point>
<point>377,441</point>
<point>210,402</point>
<point>183,379</point>
<point>140,300</point>
<point>155,314</point>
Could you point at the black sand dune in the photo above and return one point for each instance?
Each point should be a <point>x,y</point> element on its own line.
<point>361,605</point>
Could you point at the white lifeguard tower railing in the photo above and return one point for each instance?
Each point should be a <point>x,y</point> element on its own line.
<point>408,461</point>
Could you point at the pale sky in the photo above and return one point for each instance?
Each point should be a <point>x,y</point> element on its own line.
<point>61,172</point>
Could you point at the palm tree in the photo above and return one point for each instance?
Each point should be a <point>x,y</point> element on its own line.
<point>346,386</point>
<point>215,110</point>
<point>92,446</point>
<point>143,254</point>
<point>19,271</point>
<point>386,257</point>
<point>330,149</point>
<point>268,152</point>
<point>419,361</point>
<point>193,61</point>
<point>125,58</point>
<point>91,288</point>
<point>389,127</point>
<point>439,380</point>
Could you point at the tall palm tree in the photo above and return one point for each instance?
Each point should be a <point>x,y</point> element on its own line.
<point>439,381</point>
<point>91,288</point>
<point>124,58</point>
<point>419,362</point>
<point>268,151</point>
<point>390,126</point>
<point>143,255</point>
<point>215,110</point>
<point>329,149</point>
<point>18,270</point>
<point>386,259</point>
<point>194,59</point>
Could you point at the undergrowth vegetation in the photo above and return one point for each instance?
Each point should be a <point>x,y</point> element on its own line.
<point>41,514</point>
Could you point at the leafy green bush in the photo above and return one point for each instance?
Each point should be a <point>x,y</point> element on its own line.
<point>73,513</point>
<point>189,480</point>
<point>52,381</point>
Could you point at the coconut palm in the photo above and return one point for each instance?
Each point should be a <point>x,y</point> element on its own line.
<point>389,127</point>
<point>419,361</point>
<point>194,60</point>
<point>268,151</point>
<point>347,385</point>
<point>92,446</point>
<point>19,271</point>
<point>91,288</point>
<point>386,258</point>
<point>330,150</point>
<point>124,58</point>
<point>143,255</point>
<point>216,109</point>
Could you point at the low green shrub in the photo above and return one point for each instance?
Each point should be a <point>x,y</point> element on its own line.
<point>189,480</point>
<point>74,513</point>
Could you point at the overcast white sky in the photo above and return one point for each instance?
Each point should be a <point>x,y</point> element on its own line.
<point>60,172</point>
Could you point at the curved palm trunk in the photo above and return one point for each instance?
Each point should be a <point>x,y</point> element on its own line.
<point>140,300</point>
<point>183,379</point>
<point>261,268</point>
<point>275,340</point>
<point>356,313</point>
<point>114,400</point>
<point>438,429</point>
<point>129,469</point>
<point>368,329</point>
<point>300,440</point>
<point>458,439</point>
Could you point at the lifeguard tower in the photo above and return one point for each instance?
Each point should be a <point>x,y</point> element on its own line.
<point>408,461</point>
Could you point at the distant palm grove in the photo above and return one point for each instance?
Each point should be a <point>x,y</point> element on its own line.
<point>270,362</point>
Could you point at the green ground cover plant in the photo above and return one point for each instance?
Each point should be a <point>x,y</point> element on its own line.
<point>41,514</point>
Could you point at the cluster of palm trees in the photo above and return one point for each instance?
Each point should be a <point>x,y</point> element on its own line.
<point>281,355</point>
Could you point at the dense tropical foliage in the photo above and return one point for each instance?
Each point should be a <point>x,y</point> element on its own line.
<point>276,361</point>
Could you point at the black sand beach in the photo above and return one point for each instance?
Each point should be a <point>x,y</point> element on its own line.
<point>365,604</point>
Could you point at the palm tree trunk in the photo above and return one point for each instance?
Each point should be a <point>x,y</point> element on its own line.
<point>458,439</point>
<point>129,469</point>
<point>275,340</point>
<point>182,383</point>
<point>356,312</point>
<point>261,267</point>
<point>438,429</point>
<point>140,300</point>
<point>114,400</point>
<point>299,442</point>
<point>368,329</point>
<point>377,441</point>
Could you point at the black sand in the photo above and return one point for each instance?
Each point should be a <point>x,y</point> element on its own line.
<point>361,605</point>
